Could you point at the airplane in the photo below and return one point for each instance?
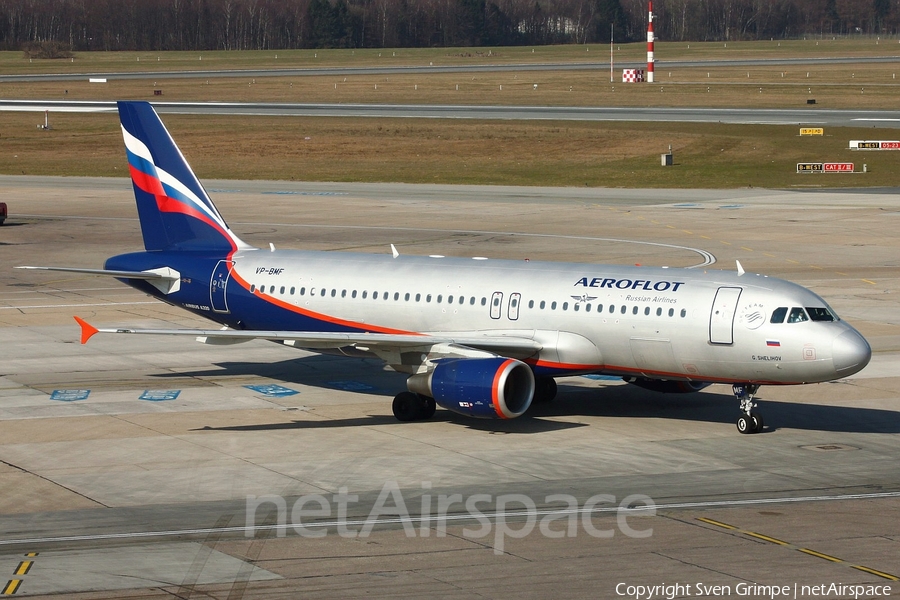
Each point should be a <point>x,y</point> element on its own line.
<point>476,336</point>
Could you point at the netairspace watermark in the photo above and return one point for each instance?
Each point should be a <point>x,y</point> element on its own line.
<point>504,516</point>
<point>754,590</point>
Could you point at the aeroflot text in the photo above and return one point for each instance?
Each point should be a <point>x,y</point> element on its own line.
<point>630,284</point>
<point>681,590</point>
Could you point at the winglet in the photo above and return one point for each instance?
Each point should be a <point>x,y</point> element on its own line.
<point>87,330</point>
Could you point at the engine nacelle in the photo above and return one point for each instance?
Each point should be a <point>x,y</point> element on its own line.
<point>666,386</point>
<point>486,388</point>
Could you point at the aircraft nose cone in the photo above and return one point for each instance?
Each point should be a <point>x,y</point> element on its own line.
<point>850,353</point>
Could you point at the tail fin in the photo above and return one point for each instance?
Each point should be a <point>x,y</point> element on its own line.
<point>174,209</point>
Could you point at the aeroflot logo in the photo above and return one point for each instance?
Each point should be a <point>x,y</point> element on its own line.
<point>630,284</point>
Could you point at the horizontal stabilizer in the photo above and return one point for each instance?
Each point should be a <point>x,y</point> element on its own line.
<point>165,279</point>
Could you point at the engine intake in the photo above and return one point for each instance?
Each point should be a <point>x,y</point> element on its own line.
<point>486,388</point>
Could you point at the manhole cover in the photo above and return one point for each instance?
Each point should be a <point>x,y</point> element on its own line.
<point>829,447</point>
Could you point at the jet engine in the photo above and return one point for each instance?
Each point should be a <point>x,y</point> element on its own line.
<point>486,388</point>
<point>667,386</point>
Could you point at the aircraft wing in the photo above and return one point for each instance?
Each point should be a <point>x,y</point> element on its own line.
<point>376,342</point>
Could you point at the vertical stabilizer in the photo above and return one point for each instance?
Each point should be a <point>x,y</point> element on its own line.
<point>174,209</point>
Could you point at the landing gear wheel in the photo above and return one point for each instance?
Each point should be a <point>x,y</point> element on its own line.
<point>427,408</point>
<point>544,389</point>
<point>407,406</point>
<point>750,421</point>
<point>757,420</point>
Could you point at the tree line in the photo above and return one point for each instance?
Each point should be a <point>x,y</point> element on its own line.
<point>278,24</point>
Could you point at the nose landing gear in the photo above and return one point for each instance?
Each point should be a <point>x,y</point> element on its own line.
<point>750,421</point>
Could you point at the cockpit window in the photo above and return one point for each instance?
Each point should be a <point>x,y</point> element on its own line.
<point>778,315</point>
<point>819,313</point>
<point>798,315</point>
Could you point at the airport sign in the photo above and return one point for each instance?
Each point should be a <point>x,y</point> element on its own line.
<point>874,145</point>
<point>812,131</point>
<point>829,167</point>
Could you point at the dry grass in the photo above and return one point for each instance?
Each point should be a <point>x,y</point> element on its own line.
<point>107,62</point>
<point>436,151</point>
<point>872,86</point>
<point>496,152</point>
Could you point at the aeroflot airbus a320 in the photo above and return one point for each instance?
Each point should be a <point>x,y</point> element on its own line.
<point>478,337</point>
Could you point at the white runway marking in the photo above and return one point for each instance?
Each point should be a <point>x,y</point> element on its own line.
<point>448,518</point>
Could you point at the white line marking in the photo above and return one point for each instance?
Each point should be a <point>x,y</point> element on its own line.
<point>432,518</point>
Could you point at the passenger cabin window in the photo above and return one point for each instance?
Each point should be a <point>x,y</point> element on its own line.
<point>252,288</point>
<point>778,315</point>
<point>798,315</point>
<point>817,313</point>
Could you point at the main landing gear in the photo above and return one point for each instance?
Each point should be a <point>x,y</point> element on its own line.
<point>750,421</point>
<point>408,406</point>
<point>544,389</point>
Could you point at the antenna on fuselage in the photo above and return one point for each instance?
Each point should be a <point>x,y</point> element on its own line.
<point>394,252</point>
<point>739,268</point>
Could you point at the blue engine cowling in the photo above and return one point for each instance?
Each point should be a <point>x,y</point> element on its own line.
<point>486,388</point>
<point>667,386</point>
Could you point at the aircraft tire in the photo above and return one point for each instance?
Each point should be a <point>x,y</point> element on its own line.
<point>758,422</point>
<point>406,406</point>
<point>745,424</point>
<point>427,408</point>
<point>544,389</point>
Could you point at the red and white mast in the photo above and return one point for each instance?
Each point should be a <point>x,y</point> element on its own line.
<point>650,42</point>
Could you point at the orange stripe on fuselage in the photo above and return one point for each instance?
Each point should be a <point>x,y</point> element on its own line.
<point>319,316</point>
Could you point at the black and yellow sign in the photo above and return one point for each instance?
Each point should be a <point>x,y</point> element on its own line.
<point>875,144</point>
<point>812,131</point>
<point>809,167</point>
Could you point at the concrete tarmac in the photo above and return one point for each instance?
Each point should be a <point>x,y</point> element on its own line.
<point>128,465</point>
